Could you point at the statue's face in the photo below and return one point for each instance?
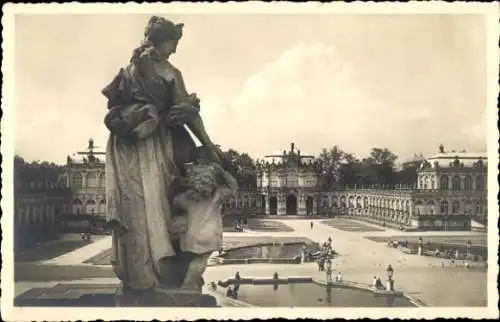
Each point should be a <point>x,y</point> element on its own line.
<point>168,47</point>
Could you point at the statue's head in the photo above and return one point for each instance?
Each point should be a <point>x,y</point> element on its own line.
<point>163,34</point>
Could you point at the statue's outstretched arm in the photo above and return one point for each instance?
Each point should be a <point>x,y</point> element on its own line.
<point>195,123</point>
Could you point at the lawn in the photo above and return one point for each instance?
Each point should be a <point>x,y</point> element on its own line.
<point>104,258</point>
<point>48,251</point>
<point>477,240</point>
<point>478,246</point>
<point>348,225</point>
<point>257,225</point>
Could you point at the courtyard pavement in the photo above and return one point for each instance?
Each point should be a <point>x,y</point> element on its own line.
<point>431,280</point>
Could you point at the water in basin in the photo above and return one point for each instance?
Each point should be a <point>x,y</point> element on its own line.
<point>314,295</point>
<point>266,251</point>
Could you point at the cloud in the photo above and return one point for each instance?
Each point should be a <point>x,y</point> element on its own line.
<point>478,131</point>
<point>311,96</point>
<point>308,95</point>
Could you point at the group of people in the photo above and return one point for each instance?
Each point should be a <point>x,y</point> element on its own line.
<point>377,283</point>
<point>232,290</point>
<point>85,236</point>
<point>325,255</point>
<point>240,224</point>
<point>397,243</point>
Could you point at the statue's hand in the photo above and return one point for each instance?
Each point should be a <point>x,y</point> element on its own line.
<point>193,100</point>
<point>181,113</point>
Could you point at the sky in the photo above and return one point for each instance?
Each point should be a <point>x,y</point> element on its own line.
<point>403,82</point>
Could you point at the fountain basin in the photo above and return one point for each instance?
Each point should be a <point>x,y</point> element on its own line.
<point>266,253</point>
<point>303,291</point>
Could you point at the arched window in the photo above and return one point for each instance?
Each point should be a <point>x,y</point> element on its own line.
<point>342,202</point>
<point>102,206</point>
<point>90,207</point>
<point>20,217</point>
<point>92,179</point>
<point>479,208</point>
<point>77,181</point>
<point>443,182</point>
<point>351,202</point>
<point>455,183</point>
<point>468,183</point>
<point>358,202</point>
<point>102,179</point>
<point>444,207</point>
<point>326,201</point>
<point>479,183</point>
<point>455,206</point>
<point>77,206</point>
<point>335,202</point>
<point>430,206</point>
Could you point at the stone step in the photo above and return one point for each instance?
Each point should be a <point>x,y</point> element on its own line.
<point>101,295</point>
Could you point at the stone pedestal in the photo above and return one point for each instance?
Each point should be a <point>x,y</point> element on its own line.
<point>163,298</point>
<point>390,285</point>
<point>109,295</point>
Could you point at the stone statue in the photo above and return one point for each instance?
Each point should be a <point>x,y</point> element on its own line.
<point>163,193</point>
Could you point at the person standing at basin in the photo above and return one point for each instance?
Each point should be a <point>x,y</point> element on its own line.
<point>149,109</point>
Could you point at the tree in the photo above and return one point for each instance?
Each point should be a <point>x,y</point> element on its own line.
<point>408,176</point>
<point>345,169</point>
<point>332,161</point>
<point>350,171</point>
<point>242,168</point>
<point>381,164</point>
<point>36,171</point>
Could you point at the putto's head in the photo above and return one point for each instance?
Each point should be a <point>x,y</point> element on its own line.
<point>163,34</point>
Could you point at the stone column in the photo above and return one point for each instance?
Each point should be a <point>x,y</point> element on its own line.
<point>84,179</point>
<point>301,205</point>
<point>281,205</point>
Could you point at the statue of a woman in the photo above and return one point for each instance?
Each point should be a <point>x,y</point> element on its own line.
<point>149,109</point>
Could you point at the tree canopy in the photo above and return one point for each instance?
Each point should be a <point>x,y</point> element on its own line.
<point>242,168</point>
<point>36,171</point>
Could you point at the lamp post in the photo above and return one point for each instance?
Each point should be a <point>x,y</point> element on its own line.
<point>303,254</point>
<point>328,271</point>
<point>390,281</point>
<point>469,245</point>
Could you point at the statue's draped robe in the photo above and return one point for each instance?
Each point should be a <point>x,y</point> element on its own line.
<point>145,155</point>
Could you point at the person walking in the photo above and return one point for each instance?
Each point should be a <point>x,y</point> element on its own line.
<point>312,224</point>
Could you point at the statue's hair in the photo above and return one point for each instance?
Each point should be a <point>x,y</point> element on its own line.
<point>157,31</point>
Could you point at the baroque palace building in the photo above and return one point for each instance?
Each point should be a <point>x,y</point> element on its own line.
<point>85,177</point>
<point>450,191</point>
<point>38,207</point>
